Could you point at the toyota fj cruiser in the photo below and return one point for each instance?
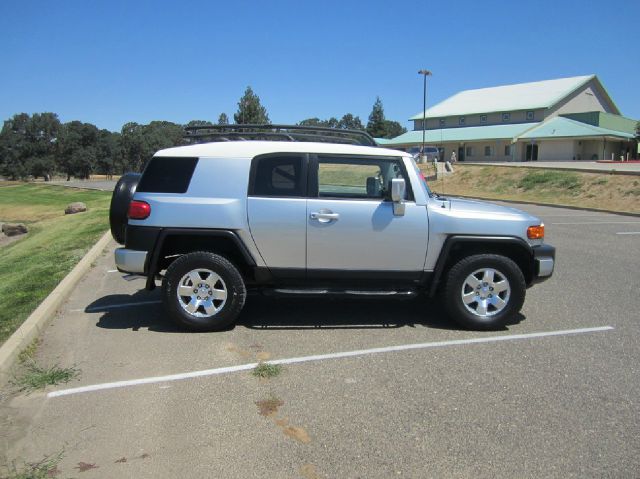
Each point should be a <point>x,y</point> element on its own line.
<point>304,211</point>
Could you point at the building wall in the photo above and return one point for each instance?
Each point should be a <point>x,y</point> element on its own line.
<point>516,116</point>
<point>588,98</point>
<point>556,150</point>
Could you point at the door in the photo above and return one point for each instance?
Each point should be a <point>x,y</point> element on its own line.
<point>532,153</point>
<point>276,209</point>
<point>351,228</point>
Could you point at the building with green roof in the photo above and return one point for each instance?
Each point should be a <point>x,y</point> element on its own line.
<point>561,119</point>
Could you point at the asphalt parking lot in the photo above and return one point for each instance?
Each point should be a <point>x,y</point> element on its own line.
<point>437,402</point>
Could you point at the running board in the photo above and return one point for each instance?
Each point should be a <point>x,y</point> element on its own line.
<point>340,292</point>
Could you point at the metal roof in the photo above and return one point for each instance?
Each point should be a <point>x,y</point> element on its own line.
<point>469,133</point>
<point>521,96</point>
<point>561,127</point>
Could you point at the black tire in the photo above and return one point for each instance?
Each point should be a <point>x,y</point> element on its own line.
<point>499,305</point>
<point>226,312</point>
<point>120,199</point>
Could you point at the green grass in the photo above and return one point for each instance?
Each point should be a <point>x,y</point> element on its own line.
<point>267,370</point>
<point>550,179</point>
<point>28,353</point>
<point>44,469</point>
<point>31,267</point>
<point>35,376</point>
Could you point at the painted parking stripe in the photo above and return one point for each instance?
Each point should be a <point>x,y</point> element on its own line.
<point>321,357</point>
<point>629,233</point>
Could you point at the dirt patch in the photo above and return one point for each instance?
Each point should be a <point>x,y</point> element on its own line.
<point>85,466</point>
<point>309,471</point>
<point>5,240</point>
<point>269,407</point>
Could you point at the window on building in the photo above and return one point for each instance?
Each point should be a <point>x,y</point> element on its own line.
<point>442,122</point>
<point>530,115</point>
<point>483,118</point>
<point>462,120</point>
<point>488,151</point>
<point>470,151</point>
<point>507,150</point>
<point>506,116</point>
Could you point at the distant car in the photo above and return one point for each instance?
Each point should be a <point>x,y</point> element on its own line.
<point>431,153</point>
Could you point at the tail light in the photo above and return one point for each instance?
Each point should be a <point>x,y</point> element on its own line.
<point>139,210</point>
<point>535,232</point>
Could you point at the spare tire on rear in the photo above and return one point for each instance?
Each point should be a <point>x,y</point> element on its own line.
<point>122,195</point>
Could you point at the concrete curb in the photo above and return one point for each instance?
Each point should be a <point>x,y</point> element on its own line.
<point>36,322</point>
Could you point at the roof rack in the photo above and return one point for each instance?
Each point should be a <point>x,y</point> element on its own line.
<point>206,133</point>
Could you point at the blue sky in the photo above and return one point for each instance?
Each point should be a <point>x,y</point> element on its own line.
<point>112,62</point>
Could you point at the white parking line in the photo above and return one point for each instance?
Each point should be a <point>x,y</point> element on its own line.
<point>629,233</point>
<point>320,357</point>
<point>112,271</point>
<point>601,223</point>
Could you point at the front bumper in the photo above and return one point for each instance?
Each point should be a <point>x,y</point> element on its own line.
<point>131,261</point>
<point>544,257</point>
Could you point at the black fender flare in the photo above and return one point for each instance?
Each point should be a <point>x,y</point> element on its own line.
<point>455,240</point>
<point>153,260</point>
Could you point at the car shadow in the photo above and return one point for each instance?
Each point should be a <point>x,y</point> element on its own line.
<point>144,310</point>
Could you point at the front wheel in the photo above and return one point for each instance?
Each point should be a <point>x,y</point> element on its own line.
<point>484,291</point>
<point>203,291</point>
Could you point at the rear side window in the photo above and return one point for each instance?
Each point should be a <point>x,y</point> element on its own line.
<point>166,174</point>
<point>277,176</point>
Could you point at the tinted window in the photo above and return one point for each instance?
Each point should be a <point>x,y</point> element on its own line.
<point>277,176</point>
<point>167,175</point>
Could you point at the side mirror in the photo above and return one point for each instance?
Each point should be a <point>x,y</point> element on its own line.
<point>398,191</point>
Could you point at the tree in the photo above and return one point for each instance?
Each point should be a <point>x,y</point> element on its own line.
<point>393,129</point>
<point>107,152</point>
<point>28,145</point>
<point>140,142</point>
<point>250,111</point>
<point>350,122</point>
<point>13,147</point>
<point>376,125</point>
<point>199,123</point>
<point>347,122</point>
<point>77,149</point>
<point>223,119</point>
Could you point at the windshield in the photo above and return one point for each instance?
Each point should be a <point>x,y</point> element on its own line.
<point>423,183</point>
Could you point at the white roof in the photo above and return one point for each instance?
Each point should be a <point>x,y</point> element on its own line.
<point>249,149</point>
<point>522,96</point>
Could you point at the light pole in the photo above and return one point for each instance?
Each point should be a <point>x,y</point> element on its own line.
<point>424,73</point>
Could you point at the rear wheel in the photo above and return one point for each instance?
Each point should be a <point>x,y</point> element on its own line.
<point>484,291</point>
<point>203,291</point>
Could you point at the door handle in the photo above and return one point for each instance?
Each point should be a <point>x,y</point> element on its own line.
<point>324,217</point>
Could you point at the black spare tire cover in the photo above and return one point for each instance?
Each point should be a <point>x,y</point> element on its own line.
<point>122,194</point>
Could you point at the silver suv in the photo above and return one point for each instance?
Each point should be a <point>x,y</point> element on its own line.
<point>212,220</point>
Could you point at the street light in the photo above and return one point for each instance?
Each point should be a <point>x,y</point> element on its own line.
<point>425,73</point>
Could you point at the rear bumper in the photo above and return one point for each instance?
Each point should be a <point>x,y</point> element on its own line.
<point>544,257</point>
<point>131,261</point>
